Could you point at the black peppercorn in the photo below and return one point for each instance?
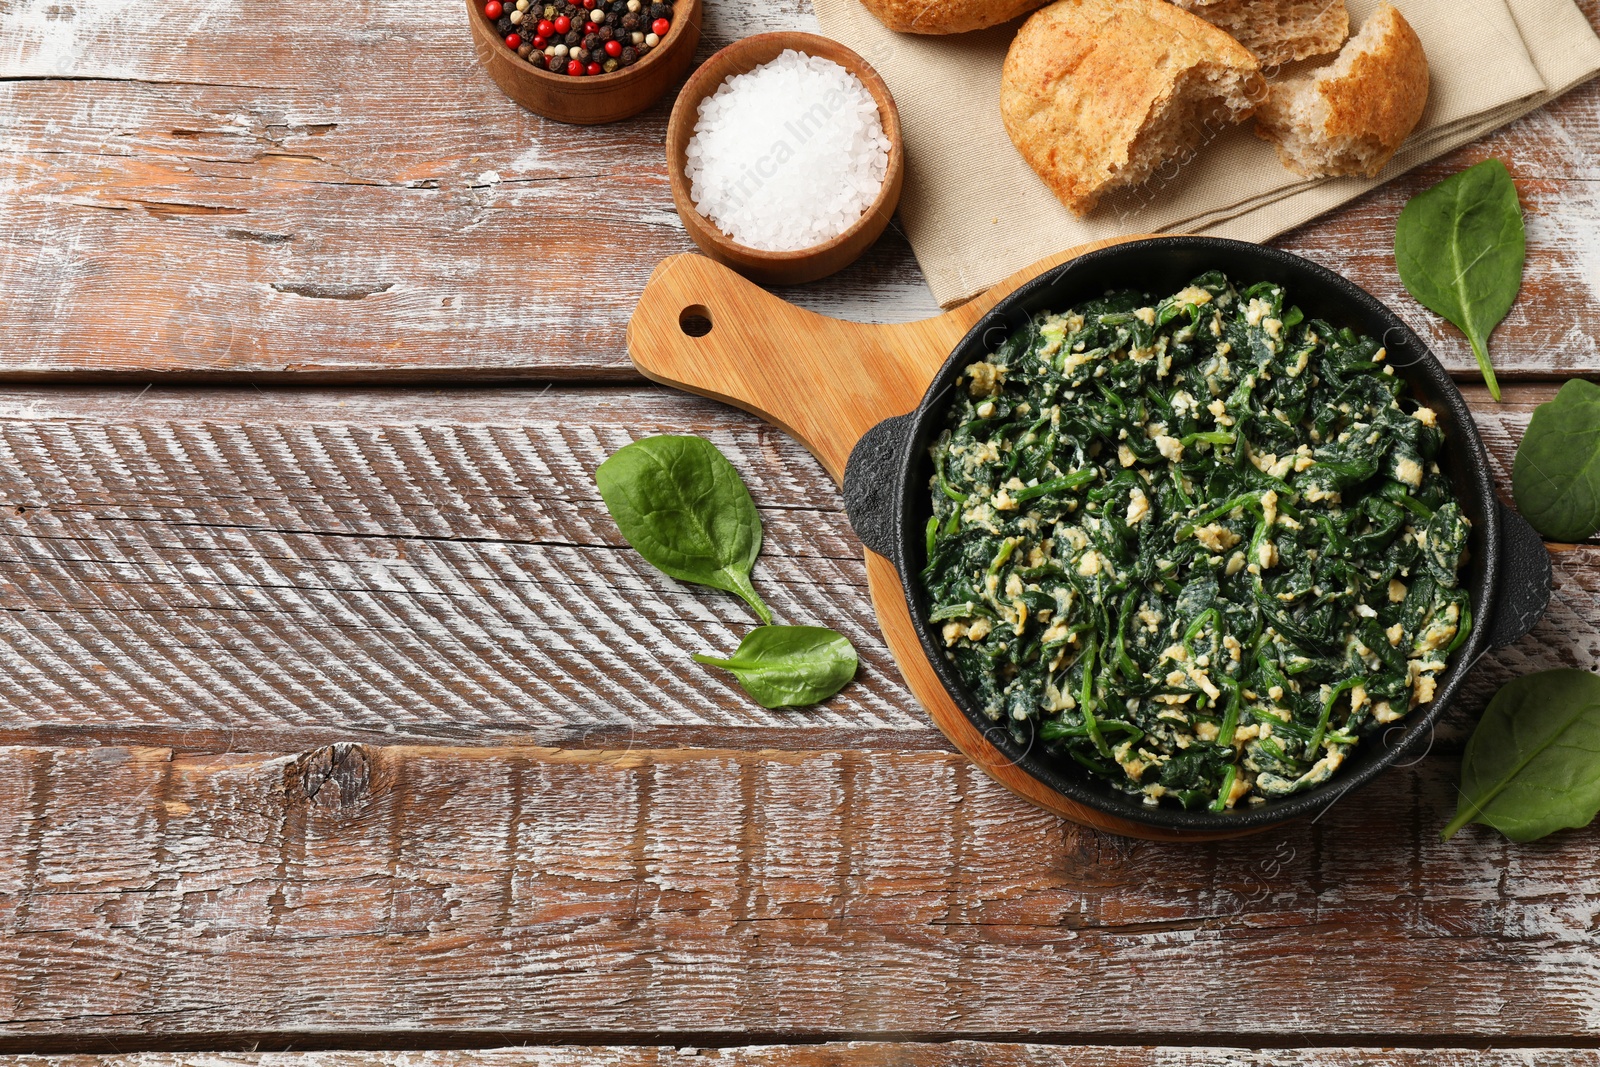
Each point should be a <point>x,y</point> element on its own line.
<point>660,11</point>
<point>572,39</point>
<point>538,60</point>
<point>591,42</point>
<point>505,25</point>
<point>579,54</point>
<point>630,22</point>
<point>630,56</point>
<point>606,33</point>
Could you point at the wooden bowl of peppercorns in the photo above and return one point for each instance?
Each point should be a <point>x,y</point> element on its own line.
<point>585,61</point>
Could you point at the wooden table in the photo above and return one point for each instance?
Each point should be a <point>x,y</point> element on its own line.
<point>338,718</point>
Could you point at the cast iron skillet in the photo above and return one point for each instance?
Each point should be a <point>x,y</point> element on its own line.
<point>1508,580</point>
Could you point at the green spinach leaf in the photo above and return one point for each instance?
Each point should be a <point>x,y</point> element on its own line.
<point>1556,476</point>
<point>1460,247</point>
<point>790,666</point>
<point>1533,764</point>
<point>683,507</point>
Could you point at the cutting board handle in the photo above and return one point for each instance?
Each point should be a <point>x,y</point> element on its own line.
<point>703,328</point>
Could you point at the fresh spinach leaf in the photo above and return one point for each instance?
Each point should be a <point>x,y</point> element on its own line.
<point>1556,476</point>
<point>1533,765</point>
<point>1460,247</point>
<point>683,507</point>
<point>790,666</point>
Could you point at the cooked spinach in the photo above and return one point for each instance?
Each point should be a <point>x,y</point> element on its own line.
<point>683,507</point>
<point>1460,248</point>
<point>1556,475</point>
<point>790,666</point>
<point>1533,764</point>
<point>1200,546</point>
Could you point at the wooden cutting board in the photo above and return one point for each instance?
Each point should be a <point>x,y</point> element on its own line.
<point>826,382</point>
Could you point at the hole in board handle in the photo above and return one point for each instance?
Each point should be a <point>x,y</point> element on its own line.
<point>695,320</point>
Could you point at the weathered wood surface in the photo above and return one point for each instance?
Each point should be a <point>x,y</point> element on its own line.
<point>851,1054</point>
<point>200,589</point>
<point>230,569</point>
<point>434,894</point>
<point>183,193</point>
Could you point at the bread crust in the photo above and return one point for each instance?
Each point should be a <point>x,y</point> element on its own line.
<point>1384,94</point>
<point>1085,78</point>
<point>947,16</point>
<point>1371,107</point>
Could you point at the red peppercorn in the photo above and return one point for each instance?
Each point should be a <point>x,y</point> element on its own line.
<point>595,68</point>
<point>562,24</point>
<point>574,68</point>
<point>513,40</point>
<point>660,27</point>
<point>588,5</point>
<point>613,49</point>
<point>546,28</point>
<point>493,9</point>
<point>540,44</point>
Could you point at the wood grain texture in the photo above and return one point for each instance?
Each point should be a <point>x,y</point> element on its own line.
<point>185,195</point>
<point>439,893</point>
<point>850,1054</point>
<point>206,596</point>
<point>227,569</point>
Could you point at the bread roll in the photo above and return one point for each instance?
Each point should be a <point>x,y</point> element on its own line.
<point>1096,94</point>
<point>946,16</point>
<point>1278,31</point>
<point>1352,115</point>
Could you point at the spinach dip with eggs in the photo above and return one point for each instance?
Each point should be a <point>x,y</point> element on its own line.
<point>1201,546</point>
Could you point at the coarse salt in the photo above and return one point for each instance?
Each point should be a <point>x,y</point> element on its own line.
<point>789,155</point>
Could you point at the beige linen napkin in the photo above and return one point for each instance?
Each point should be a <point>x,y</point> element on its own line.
<point>974,211</point>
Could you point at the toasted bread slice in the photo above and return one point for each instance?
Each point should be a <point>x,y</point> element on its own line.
<point>1278,31</point>
<point>1351,116</point>
<point>1097,94</point>
<point>946,16</point>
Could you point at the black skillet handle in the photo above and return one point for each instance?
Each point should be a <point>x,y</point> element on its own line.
<point>1525,580</point>
<point>871,479</point>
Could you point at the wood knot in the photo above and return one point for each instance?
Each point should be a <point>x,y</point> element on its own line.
<point>334,776</point>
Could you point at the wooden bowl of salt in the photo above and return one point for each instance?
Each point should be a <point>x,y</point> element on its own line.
<point>786,267</point>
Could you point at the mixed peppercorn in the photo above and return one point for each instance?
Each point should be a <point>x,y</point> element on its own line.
<point>585,38</point>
